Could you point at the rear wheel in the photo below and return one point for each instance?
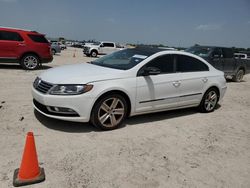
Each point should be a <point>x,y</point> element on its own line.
<point>109,112</point>
<point>209,100</point>
<point>239,76</point>
<point>30,62</point>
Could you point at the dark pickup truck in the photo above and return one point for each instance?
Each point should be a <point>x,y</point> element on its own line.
<point>223,59</point>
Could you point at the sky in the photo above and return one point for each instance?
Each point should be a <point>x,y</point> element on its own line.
<point>179,23</point>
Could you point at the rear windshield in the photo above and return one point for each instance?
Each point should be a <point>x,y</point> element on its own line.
<point>38,38</point>
<point>200,51</point>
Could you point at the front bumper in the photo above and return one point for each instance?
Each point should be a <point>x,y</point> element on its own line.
<point>80,104</point>
<point>86,50</point>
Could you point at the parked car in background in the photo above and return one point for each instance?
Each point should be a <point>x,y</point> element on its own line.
<point>100,48</point>
<point>223,59</point>
<point>127,83</point>
<point>62,46</point>
<point>28,48</point>
<point>55,48</point>
<point>77,45</point>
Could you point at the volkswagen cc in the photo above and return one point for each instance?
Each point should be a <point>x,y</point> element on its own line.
<point>127,83</point>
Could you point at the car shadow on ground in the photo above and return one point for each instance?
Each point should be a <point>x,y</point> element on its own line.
<point>75,127</point>
<point>18,67</point>
<point>159,116</point>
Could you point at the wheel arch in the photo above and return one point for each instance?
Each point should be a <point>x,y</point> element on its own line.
<point>94,50</point>
<point>241,68</point>
<point>115,91</point>
<point>216,88</point>
<point>30,52</point>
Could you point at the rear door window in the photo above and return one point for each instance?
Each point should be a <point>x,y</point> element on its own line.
<point>38,38</point>
<point>190,64</point>
<point>12,36</point>
<point>106,44</point>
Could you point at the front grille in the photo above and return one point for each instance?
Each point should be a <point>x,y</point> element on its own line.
<point>42,86</point>
<point>85,49</point>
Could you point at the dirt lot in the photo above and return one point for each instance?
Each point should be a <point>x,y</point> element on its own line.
<point>181,148</point>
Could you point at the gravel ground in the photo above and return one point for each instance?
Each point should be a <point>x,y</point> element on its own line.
<point>180,148</point>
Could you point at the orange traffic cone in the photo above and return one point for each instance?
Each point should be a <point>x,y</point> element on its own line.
<point>29,171</point>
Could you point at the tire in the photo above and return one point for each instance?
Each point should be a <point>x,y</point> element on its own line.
<point>93,53</point>
<point>109,112</point>
<point>239,76</point>
<point>53,51</point>
<point>30,62</point>
<point>209,101</point>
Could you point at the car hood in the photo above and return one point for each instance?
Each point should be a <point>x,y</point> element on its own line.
<point>81,74</point>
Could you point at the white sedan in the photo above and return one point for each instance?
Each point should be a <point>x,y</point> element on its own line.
<point>127,83</point>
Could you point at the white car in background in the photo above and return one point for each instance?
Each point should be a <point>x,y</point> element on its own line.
<point>101,48</point>
<point>127,83</point>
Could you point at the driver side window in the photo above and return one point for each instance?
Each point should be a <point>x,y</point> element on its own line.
<point>165,63</point>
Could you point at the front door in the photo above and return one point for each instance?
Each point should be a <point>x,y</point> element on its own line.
<point>10,43</point>
<point>156,92</point>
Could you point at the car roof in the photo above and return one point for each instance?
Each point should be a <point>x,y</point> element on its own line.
<point>200,46</point>
<point>18,29</point>
<point>149,49</point>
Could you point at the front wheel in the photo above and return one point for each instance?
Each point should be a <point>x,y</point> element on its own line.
<point>93,53</point>
<point>209,100</point>
<point>30,62</point>
<point>239,76</point>
<point>109,112</point>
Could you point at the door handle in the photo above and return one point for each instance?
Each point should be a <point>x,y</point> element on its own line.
<point>204,80</point>
<point>176,83</point>
<point>21,44</point>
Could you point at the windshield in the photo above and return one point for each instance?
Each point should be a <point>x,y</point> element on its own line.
<point>123,59</point>
<point>96,43</point>
<point>200,51</point>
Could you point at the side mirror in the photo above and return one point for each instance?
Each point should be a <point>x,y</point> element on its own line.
<point>151,71</point>
<point>101,45</point>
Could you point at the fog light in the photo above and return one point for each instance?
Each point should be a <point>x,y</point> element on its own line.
<point>61,110</point>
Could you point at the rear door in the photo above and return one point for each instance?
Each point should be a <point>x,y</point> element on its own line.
<point>108,48</point>
<point>192,79</point>
<point>40,44</point>
<point>10,45</point>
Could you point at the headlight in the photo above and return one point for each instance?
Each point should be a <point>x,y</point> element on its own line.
<point>70,89</point>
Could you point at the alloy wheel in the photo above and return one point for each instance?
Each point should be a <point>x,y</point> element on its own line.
<point>30,62</point>
<point>111,112</point>
<point>210,101</point>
